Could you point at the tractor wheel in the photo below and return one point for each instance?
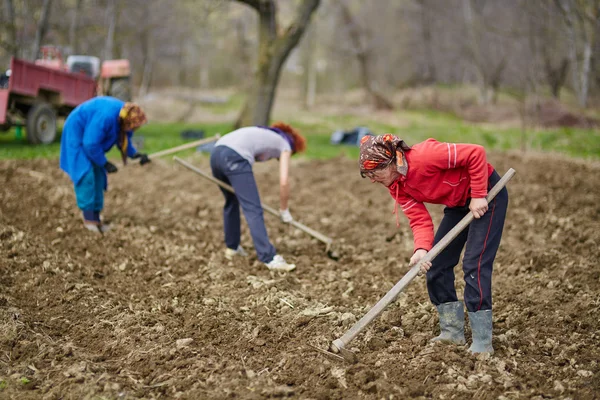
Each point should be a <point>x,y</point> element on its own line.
<point>121,89</point>
<point>41,124</point>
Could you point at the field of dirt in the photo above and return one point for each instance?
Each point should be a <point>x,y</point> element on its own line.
<point>153,309</point>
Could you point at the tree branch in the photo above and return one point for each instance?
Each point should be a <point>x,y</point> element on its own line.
<point>294,32</point>
<point>250,3</point>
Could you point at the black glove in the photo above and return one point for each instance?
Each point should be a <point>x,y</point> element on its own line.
<point>145,159</point>
<point>143,156</point>
<point>110,167</point>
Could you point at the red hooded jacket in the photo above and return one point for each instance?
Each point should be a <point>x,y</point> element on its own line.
<point>439,173</point>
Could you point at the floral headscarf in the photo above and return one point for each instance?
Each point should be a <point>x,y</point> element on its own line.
<point>377,152</point>
<point>131,117</point>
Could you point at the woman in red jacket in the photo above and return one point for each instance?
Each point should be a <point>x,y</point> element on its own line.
<point>459,177</point>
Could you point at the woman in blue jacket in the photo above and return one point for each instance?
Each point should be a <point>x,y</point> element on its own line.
<point>90,131</point>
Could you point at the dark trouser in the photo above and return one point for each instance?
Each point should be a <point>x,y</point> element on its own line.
<point>482,239</point>
<point>231,168</point>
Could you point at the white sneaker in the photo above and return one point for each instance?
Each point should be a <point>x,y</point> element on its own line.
<point>231,253</point>
<point>92,227</point>
<point>105,227</point>
<point>101,228</point>
<point>279,264</point>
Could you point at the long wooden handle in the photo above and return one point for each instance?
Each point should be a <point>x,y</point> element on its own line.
<point>302,227</point>
<point>184,146</point>
<point>340,343</point>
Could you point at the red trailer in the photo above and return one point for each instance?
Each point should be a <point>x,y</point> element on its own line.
<point>38,94</point>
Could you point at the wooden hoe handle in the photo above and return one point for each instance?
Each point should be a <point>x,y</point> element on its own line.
<point>184,146</point>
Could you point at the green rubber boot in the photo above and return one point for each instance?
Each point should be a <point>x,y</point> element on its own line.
<point>452,323</point>
<point>481,327</point>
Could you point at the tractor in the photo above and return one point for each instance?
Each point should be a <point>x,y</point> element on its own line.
<point>113,76</point>
<point>35,94</point>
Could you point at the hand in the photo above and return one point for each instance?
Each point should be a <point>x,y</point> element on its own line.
<point>110,167</point>
<point>144,158</point>
<point>419,254</point>
<point>286,216</point>
<point>478,207</point>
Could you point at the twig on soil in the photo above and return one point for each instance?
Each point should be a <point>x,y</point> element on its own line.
<point>536,361</point>
<point>43,334</point>
<point>286,302</point>
<point>422,355</point>
<point>327,352</point>
<point>157,385</point>
<point>137,382</point>
<point>259,373</point>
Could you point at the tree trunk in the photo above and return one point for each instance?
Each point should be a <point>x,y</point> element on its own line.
<point>146,76</point>
<point>475,51</point>
<point>363,56</point>
<point>582,19</point>
<point>430,74</point>
<point>496,78</point>
<point>272,53</point>
<point>111,20</point>
<point>556,76</point>
<point>310,71</point>
<point>11,45</point>
<point>42,28</point>
<point>74,27</point>
<point>147,54</point>
<point>585,72</point>
<point>244,68</point>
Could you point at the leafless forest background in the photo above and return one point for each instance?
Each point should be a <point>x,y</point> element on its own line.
<point>524,47</point>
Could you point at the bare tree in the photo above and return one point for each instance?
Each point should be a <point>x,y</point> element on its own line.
<point>309,73</point>
<point>148,53</point>
<point>582,18</point>
<point>429,75</point>
<point>42,28</point>
<point>243,49</point>
<point>111,21</point>
<point>273,50</point>
<point>74,27</point>
<point>361,49</point>
<point>548,52</point>
<point>556,75</point>
<point>11,43</point>
<point>488,77</point>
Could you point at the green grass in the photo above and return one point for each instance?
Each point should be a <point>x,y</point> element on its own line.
<point>418,126</point>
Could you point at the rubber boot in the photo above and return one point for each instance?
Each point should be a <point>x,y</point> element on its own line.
<point>481,327</point>
<point>452,323</point>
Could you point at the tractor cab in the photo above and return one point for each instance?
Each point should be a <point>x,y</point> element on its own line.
<point>51,57</point>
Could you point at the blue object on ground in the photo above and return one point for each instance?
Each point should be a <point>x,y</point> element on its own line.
<point>351,137</point>
<point>192,134</point>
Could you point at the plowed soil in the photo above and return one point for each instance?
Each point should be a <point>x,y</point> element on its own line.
<point>152,309</point>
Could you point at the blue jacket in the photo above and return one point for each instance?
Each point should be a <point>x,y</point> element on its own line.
<point>90,131</point>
